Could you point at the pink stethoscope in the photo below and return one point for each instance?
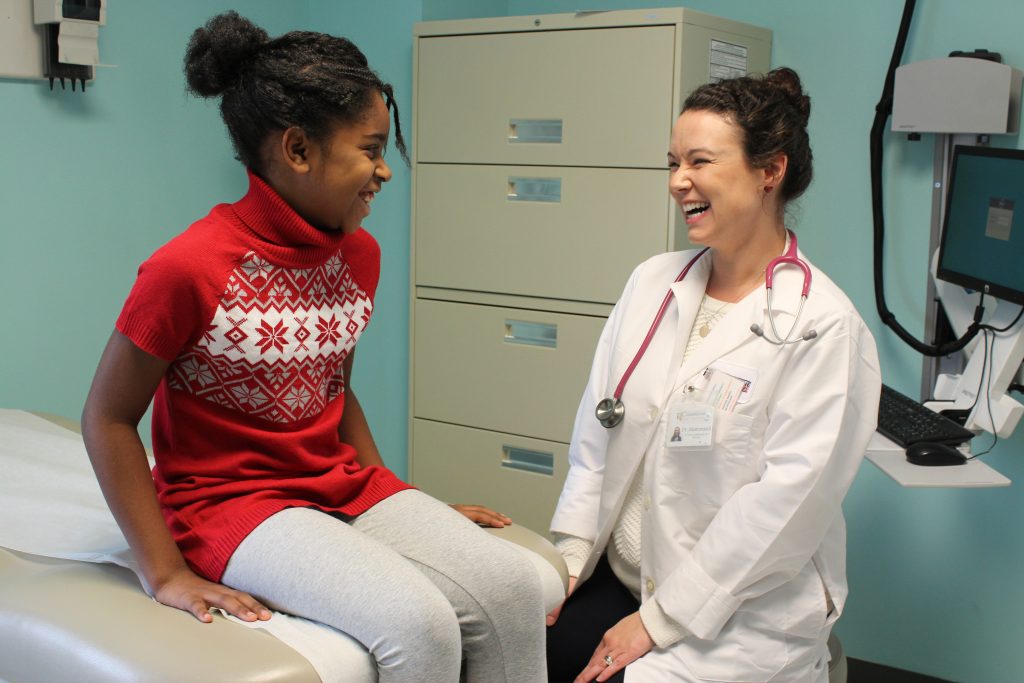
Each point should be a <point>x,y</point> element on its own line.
<point>611,411</point>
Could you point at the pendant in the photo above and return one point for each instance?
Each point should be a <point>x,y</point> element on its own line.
<point>704,330</point>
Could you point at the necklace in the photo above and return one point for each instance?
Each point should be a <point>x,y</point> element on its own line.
<point>707,317</point>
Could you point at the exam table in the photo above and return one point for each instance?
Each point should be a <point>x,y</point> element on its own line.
<point>81,621</point>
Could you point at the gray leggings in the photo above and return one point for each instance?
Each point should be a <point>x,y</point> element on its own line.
<point>418,584</point>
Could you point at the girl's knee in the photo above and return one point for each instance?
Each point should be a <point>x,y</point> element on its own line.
<point>523,571</point>
<point>517,586</point>
<point>432,631</point>
<point>423,634</point>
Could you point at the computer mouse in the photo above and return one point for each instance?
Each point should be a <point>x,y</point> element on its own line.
<point>934,454</point>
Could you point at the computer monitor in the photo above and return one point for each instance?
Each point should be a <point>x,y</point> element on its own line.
<point>982,245</point>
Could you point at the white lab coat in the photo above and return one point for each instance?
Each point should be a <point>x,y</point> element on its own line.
<point>738,541</point>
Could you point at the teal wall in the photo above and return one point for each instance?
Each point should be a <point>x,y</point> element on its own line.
<point>91,185</point>
<point>464,9</point>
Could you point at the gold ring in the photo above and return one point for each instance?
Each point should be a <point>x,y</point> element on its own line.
<point>608,661</point>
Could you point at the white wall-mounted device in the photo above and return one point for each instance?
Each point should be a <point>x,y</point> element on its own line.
<point>50,39</point>
<point>956,95</point>
<point>71,31</point>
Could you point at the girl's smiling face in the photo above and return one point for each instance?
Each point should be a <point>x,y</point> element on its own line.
<point>346,172</point>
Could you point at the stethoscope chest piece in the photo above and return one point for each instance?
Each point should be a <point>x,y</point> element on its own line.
<point>610,412</point>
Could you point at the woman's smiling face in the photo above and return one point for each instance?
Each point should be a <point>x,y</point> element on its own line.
<point>723,198</point>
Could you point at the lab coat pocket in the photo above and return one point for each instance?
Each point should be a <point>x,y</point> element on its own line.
<point>741,652</point>
<point>812,612</point>
<point>709,477</point>
<point>735,440</point>
<point>765,634</point>
<point>797,607</point>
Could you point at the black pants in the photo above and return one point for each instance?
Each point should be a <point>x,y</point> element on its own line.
<point>590,611</point>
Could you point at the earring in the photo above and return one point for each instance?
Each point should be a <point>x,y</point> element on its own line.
<point>768,189</point>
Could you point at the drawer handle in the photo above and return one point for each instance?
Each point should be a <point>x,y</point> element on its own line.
<point>526,460</point>
<point>531,334</point>
<point>534,189</point>
<point>548,131</point>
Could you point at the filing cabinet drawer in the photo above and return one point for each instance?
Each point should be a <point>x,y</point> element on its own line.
<point>518,476</point>
<point>547,97</point>
<point>553,232</point>
<point>504,369</point>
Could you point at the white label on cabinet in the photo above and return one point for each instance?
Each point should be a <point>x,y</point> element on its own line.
<point>727,61</point>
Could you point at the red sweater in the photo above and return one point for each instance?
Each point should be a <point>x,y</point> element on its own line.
<point>256,310</point>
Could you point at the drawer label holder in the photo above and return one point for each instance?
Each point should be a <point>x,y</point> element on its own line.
<point>534,189</point>
<point>544,131</point>
<point>531,334</point>
<point>526,460</point>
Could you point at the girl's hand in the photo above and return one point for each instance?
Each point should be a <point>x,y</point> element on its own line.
<point>624,643</point>
<point>484,516</point>
<point>187,591</point>
<point>553,614</point>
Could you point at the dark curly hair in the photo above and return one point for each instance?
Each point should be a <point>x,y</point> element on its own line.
<point>772,110</point>
<point>305,79</point>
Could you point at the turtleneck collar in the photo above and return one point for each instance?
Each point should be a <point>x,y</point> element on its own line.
<point>282,232</point>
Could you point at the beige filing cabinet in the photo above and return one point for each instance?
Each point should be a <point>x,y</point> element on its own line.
<point>539,183</point>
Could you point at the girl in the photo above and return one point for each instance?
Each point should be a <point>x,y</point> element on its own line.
<point>268,490</point>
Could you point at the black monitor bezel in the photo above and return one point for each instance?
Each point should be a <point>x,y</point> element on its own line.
<point>953,276</point>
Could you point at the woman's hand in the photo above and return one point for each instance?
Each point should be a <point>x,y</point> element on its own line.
<point>484,516</point>
<point>624,643</point>
<point>189,592</point>
<point>553,615</point>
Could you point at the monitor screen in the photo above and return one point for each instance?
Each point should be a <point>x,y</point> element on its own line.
<point>982,245</point>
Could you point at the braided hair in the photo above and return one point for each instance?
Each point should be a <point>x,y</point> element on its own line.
<point>772,111</point>
<point>304,79</point>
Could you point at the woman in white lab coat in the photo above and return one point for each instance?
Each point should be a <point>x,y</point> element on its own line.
<point>705,530</point>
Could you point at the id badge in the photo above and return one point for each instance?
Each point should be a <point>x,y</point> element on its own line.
<point>690,426</point>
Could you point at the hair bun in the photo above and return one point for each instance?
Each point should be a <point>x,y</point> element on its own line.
<point>217,52</point>
<point>787,81</point>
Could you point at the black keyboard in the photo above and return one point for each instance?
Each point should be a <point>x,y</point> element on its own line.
<point>905,421</point>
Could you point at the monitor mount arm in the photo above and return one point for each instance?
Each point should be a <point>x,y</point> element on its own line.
<point>980,390</point>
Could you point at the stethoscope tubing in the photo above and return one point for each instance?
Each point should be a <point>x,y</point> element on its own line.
<point>611,411</point>
<point>654,328</point>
